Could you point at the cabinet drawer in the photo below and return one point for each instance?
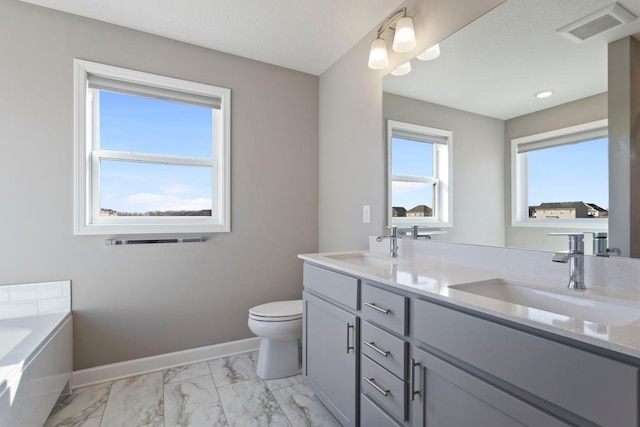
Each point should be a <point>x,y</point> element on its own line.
<point>371,415</point>
<point>386,389</point>
<point>385,349</point>
<point>338,287</point>
<point>385,308</point>
<point>599,389</point>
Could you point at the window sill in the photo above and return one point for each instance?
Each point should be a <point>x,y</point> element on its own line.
<point>137,229</point>
<point>593,224</point>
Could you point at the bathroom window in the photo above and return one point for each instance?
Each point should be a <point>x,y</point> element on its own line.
<point>561,178</point>
<point>419,170</point>
<point>152,153</point>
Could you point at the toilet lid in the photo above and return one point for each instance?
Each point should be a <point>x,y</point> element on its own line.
<point>278,309</point>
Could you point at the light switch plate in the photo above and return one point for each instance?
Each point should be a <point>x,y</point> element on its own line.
<point>366,214</point>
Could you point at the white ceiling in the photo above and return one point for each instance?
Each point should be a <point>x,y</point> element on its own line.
<point>304,35</point>
<point>495,65</point>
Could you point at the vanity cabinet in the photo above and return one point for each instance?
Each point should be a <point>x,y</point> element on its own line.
<point>579,386</point>
<point>331,341</point>
<point>415,361</point>
<point>445,396</point>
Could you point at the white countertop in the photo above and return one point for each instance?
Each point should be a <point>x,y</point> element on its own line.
<point>432,279</point>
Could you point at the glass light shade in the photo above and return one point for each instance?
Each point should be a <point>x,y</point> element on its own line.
<point>402,69</point>
<point>405,38</point>
<point>432,53</point>
<point>378,56</point>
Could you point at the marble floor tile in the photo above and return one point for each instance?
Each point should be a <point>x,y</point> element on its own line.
<point>251,404</point>
<point>91,422</point>
<point>283,382</point>
<point>253,355</point>
<point>193,402</point>
<point>232,369</point>
<point>81,405</point>
<point>180,373</point>
<point>135,402</point>
<point>301,408</point>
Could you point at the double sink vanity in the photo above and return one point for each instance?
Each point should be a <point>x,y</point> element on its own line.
<point>414,341</point>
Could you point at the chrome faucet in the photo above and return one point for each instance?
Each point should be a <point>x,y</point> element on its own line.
<point>393,240</point>
<point>600,245</point>
<point>575,258</point>
<point>415,235</point>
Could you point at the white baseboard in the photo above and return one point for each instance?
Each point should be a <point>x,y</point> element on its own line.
<point>114,371</point>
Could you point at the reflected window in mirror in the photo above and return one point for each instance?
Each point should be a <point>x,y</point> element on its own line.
<point>419,175</point>
<point>561,178</point>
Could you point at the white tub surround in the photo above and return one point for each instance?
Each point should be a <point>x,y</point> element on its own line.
<point>428,268</point>
<point>35,350</point>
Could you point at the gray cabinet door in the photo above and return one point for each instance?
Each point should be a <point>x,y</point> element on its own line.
<point>331,338</point>
<point>442,395</point>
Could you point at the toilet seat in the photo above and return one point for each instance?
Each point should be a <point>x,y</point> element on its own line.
<point>279,311</point>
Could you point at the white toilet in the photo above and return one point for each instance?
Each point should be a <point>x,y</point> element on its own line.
<point>279,326</point>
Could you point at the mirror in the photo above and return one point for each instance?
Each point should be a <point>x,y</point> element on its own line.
<point>482,87</point>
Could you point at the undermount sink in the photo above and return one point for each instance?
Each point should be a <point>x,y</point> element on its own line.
<point>364,260</point>
<point>575,305</point>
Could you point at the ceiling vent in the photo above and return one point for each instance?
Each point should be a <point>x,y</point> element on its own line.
<point>597,23</point>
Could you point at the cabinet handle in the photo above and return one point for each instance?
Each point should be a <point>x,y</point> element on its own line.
<point>373,384</point>
<point>375,307</point>
<point>413,379</point>
<point>373,346</point>
<point>349,346</point>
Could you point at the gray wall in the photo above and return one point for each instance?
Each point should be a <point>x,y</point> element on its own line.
<point>570,114</point>
<point>136,301</point>
<point>352,148</point>
<point>478,150</point>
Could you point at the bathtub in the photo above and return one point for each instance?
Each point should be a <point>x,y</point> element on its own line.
<point>35,350</point>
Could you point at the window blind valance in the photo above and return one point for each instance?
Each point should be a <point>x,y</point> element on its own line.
<point>418,136</point>
<point>573,138</point>
<point>137,89</point>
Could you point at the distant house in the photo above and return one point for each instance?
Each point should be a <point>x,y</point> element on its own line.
<point>567,210</point>
<point>108,212</point>
<point>597,212</point>
<point>398,211</point>
<point>420,210</point>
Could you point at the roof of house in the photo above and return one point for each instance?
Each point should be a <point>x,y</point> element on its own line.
<point>399,209</point>
<point>420,208</point>
<point>567,205</point>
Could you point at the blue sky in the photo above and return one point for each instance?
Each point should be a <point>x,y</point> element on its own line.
<point>137,124</point>
<point>570,173</point>
<point>577,172</point>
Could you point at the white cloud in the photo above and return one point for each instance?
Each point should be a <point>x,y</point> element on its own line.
<point>178,189</point>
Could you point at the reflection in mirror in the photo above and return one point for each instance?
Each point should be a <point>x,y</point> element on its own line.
<point>419,175</point>
<point>483,87</point>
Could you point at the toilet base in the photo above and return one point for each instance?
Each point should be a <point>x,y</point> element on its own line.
<point>278,359</point>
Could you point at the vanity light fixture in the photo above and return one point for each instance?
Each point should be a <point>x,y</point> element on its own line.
<point>402,69</point>
<point>404,39</point>
<point>432,53</point>
<point>545,93</point>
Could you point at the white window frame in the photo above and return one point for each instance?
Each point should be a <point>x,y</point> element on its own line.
<point>87,156</point>
<point>519,174</point>
<point>442,171</point>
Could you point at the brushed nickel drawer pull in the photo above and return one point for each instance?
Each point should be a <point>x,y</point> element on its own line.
<point>375,307</point>
<point>373,346</point>
<point>373,384</point>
